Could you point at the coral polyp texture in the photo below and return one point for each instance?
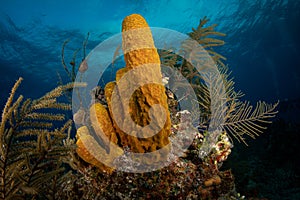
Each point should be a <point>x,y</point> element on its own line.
<point>142,63</point>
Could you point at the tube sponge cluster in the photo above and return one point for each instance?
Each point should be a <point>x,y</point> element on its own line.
<point>142,66</point>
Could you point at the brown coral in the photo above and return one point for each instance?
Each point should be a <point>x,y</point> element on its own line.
<point>216,180</point>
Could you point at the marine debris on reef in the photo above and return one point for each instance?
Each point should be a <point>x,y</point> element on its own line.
<point>41,161</point>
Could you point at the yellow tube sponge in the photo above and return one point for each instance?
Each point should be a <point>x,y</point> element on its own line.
<point>139,49</point>
<point>137,42</point>
<point>111,125</point>
<point>94,152</point>
<point>101,122</point>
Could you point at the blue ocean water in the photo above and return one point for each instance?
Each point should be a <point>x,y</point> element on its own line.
<point>262,43</point>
